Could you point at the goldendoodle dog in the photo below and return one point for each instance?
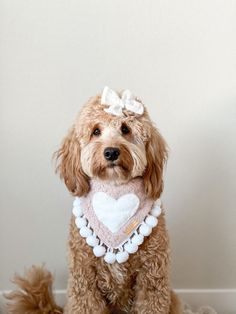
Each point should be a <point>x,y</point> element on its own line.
<point>112,161</point>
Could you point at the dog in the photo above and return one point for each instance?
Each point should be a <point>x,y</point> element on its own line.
<point>114,142</point>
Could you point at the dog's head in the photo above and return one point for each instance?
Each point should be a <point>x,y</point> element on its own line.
<point>110,147</point>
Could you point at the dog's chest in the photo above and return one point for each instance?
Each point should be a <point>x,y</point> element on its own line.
<point>113,280</point>
<point>118,273</point>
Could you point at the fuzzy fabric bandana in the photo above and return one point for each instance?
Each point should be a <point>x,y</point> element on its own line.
<point>115,219</point>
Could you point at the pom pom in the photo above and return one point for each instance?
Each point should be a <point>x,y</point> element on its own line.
<point>77,202</point>
<point>156,211</point>
<point>138,239</point>
<point>92,241</point>
<point>77,211</point>
<point>110,258</point>
<point>99,250</point>
<point>131,248</point>
<point>122,257</point>
<point>145,230</point>
<point>80,222</point>
<point>151,221</point>
<point>85,232</point>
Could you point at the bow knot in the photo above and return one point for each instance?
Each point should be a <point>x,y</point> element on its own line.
<point>117,104</point>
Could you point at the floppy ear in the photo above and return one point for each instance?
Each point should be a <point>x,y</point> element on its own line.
<point>156,153</point>
<point>69,165</point>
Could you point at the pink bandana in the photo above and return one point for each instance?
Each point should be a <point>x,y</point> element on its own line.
<point>115,219</point>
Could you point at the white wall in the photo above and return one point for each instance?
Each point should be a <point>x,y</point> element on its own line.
<point>180,58</point>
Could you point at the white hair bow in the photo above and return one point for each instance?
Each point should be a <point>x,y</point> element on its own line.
<point>117,104</point>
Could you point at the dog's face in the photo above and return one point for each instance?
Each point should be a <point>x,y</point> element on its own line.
<point>114,148</point>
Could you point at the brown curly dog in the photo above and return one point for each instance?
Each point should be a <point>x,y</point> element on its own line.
<point>139,285</point>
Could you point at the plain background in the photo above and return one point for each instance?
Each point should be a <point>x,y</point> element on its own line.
<point>179,57</point>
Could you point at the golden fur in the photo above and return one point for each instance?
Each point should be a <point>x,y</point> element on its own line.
<point>36,295</point>
<point>140,285</point>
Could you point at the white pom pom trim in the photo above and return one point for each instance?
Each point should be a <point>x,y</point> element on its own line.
<point>85,232</point>
<point>156,211</point>
<point>145,230</point>
<point>77,211</point>
<point>92,240</point>
<point>151,221</point>
<point>110,257</point>
<point>99,250</point>
<point>129,246</point>
<point>122,257</point>
<point>137,239</point>
<point>81,222</point>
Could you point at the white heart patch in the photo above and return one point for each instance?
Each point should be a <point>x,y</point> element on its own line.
<point>114,213</point>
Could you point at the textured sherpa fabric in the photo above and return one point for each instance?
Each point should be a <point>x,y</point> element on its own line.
<point>201,310</point>
<point>134,187</point>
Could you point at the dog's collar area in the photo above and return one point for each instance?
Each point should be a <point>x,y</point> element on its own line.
<point>114,220</point>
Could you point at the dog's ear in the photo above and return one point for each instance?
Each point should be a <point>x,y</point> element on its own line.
<point>156,153</point>
<point>69,165</point>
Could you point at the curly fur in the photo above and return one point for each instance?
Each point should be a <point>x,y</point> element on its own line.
<point>140,285</point>
<point>35,296</point>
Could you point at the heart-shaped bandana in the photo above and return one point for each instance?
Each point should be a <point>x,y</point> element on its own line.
<point>115,219</point>
<point>114,213</point>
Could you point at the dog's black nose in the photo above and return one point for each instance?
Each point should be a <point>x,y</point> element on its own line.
<point>111,153</point>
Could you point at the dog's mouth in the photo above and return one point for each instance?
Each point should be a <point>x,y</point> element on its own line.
<point>112,165</point>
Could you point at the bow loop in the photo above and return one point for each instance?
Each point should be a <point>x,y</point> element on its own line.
<point>117,104</point>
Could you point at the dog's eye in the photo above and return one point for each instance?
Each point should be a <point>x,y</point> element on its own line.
<point>125,129</point>
<point>96,132</point>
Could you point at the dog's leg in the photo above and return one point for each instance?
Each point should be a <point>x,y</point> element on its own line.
<point>83,295</point>
<point>151,297</point>
<point>153,293</point>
